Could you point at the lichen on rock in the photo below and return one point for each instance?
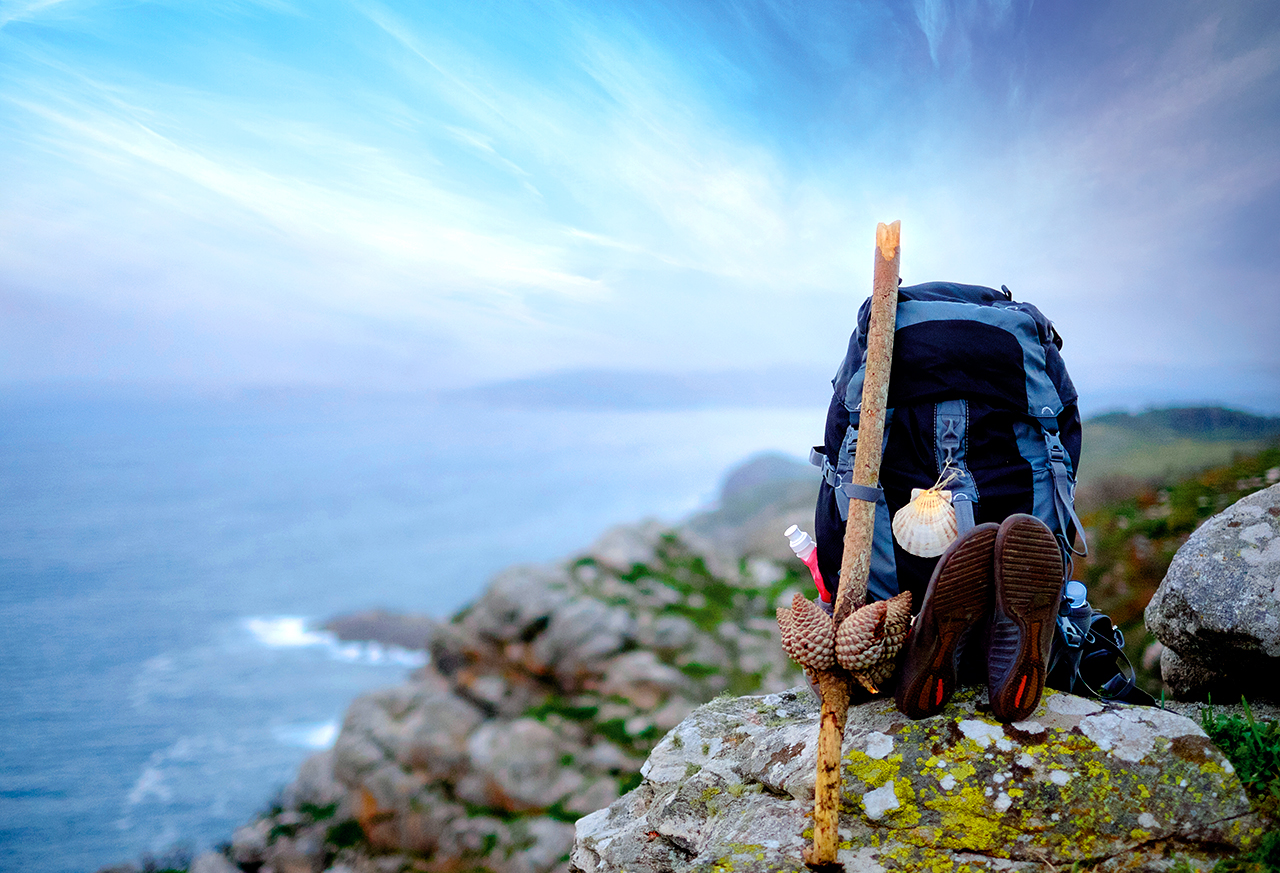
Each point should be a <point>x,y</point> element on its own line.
<point>1119,786</point>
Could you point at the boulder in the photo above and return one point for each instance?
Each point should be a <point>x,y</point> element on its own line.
<point>1110,785</point>
<point>314,784</point>
<point>1218,608</point>
<point>383,627</point>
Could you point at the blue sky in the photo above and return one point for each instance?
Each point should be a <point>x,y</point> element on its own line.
<point>404,195</point>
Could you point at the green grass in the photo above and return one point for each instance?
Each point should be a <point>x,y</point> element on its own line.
<point>1108,454</point>
<point>629,782</point>
<point>345,835</point>
<point>694,670</point>
<point>1169,443</point>
<point>1253,747</point>
<point>557,705</point>
<point>1265,858</point>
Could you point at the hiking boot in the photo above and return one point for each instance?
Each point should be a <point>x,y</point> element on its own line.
<point>1028,587</point>
<point>957,600</point>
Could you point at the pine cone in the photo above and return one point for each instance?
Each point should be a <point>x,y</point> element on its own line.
<point>807,634</point>
<point>872,636</point>
<point>897,620</point>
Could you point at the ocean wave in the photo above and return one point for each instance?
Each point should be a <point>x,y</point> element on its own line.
<point>293,632</point>
<point>313,735</point>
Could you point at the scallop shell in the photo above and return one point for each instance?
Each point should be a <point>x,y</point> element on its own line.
<point>926,525</point>
<point>807,634</point>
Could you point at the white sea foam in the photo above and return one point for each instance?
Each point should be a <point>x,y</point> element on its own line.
<point>313,735</point>
<point>151,783</point>
<point>291,632</point>
<point>285,632</point>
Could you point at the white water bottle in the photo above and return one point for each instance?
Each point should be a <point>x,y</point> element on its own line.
<point>807,550</point>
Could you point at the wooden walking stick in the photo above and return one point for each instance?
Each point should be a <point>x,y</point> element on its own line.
<point>861,641</point>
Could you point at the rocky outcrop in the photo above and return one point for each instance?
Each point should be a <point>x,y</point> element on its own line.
<point>1217,612</point>
<point>540,704</point>
<point>758,501</point>
<point>411,632</point>
<point>1119,787</point>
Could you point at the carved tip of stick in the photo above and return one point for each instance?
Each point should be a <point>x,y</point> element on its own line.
<point>887,238</point>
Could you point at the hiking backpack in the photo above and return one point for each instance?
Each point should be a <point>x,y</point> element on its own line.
<point>977,389</point>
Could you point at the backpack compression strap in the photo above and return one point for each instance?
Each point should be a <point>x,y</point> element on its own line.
<point>843,482</point>
<point>1064,487</point>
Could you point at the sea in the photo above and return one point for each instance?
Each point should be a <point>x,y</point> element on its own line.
<point>167,560</point>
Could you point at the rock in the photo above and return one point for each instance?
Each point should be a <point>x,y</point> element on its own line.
<point>212,862</point>
<point>249,843</point>
<point>1190,680</point>
<point>1120,786</point>
<point>386,628</point>
<point>1218,607</point>
<point>623,547</point>
<point>518,603</point>
<point>758,501</point>
<point>578,638</point>
<point>641,678</point>
<point>516,767</point>
<point>539,705</point>
<point>315,783</point>
<point>289,855</point>
<point>423,724</point>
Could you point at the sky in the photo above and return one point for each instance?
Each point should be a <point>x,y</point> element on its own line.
<point>412,195</point>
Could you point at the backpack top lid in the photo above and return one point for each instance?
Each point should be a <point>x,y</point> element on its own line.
<point>965,341</point>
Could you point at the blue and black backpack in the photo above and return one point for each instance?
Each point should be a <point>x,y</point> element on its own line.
<point>977,388</point>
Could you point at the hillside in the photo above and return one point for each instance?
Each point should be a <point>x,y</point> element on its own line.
<point>1123,451</point>
<point>1136,530</point>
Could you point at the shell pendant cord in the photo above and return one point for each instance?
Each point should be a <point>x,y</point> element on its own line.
<point>833,684</point>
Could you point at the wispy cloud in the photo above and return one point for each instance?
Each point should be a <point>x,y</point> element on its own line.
<point>26,10</point>
<point>544,187</point>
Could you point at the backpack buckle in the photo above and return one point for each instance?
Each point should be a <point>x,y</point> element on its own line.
<point>1070,633</point>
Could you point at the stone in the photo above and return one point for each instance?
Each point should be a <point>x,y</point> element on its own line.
<point>1218,607</point>
<point>1190,680</point>
<point>1114,785</point>
<point>517,603</point>
<point>517,766</point>
<point>404,631</point>
<point>315,783</point>
<point>426,725</point>
<point>212,862</point>
<point>548,845</point>
<point>621,548</point>
<point>642,679</point>
<point>579,636</point>
<point>288,855</point>
<point>249,843</point>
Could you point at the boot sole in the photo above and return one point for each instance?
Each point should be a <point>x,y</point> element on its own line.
<point>958,597</point>
<point>1028,588</point>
